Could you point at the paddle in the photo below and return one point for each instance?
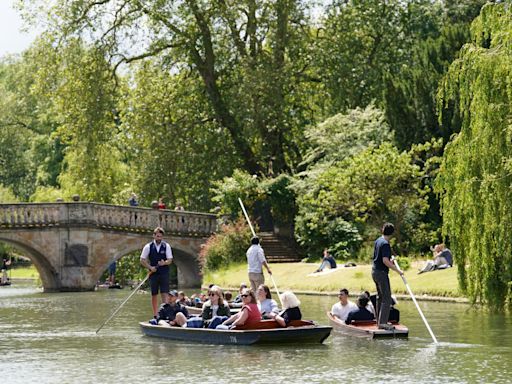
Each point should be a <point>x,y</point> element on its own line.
<point>254,235</point>
<point>414,300</point>
<point>124,302</point>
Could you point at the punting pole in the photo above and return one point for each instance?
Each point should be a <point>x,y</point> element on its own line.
<point>415,302</point>
<point>254,235</point>
<point>124,302</point>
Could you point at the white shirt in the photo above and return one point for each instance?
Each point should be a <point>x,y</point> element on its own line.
<point>342,311</point>
<point>255,258</point>
<point>145,250</point>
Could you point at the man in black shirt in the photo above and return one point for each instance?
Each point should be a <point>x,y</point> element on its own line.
<point>381,265</point>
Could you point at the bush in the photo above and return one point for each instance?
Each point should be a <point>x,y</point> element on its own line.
<point>403,262</point>
<point>227,246</point>
<point>315,232</point>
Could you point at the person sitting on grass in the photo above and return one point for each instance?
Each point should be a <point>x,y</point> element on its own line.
<point>327,261</point>
<point>291,310</point>
<point>248,315</point>
<point>442,259</point>
<point>361,313</point>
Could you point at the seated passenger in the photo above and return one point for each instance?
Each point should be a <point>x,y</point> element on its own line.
<point>344,307</point>
<point>183,299</point>
<point>291,310</point>
<point>268,307</point>
<point>237,301</point>
<point>394,314</point>
<point>370,306</point>
<point>361,313</point>
<point>327,261</point>
<point>228,296</point>
<point>248,315</point>
<point>215,310</point>
<point>172,313</point>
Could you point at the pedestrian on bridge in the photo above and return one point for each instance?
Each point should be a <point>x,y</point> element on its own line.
<point>156,256</point>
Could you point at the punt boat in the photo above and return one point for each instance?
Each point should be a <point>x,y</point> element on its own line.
<point>267,332</point>
<point>368,329</point>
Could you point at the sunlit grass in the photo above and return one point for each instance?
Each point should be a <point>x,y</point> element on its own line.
<point>24,273</point>
<point>294,276</point>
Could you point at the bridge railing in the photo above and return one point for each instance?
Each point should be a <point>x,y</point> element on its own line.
<point>124,218</point>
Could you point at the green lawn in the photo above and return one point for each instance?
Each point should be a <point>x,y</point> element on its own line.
<point>294,276</point>
<point>24,273</point>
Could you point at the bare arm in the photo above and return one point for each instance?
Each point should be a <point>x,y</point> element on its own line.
<point>267,267</point>
<point>388,263</point>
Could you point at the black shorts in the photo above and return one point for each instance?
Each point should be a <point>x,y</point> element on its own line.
<point>159,282</point>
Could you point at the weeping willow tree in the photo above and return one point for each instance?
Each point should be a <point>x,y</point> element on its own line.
<point>475,179</point>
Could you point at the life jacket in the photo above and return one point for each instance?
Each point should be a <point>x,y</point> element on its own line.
<point>155,256</point>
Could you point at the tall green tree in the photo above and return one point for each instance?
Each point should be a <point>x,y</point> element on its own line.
<point>365,41</point>
<point>250,56</point>
<point>475,179</point>
<point>77,82</point>
<point>173,146</point>
<point>410,95</point>
<point>30,155</point>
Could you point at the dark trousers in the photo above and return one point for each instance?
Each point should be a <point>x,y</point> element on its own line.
<point>381,280</point>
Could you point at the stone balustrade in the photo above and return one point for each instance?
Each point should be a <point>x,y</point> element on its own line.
<point>121,218</point>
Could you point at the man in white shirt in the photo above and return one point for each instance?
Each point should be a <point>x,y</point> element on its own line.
<point>344,307</point>
<point>255,260</point>
<point>156,256</point>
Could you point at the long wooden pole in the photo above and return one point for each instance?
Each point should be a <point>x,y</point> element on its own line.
<point>123,303</point>
<point>254,235</point>
<point>415,302</point>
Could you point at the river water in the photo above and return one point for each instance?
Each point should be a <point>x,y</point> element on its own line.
<point>50,338</point>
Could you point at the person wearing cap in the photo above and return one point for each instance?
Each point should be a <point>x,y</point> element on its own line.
<point>380,273</point>
<point>361,313</point>
<point>255,261</point>
<point>344,306</point>
<point>156,256</point>
<point>172,313</point>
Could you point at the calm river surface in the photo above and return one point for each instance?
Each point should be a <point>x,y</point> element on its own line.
<point>50,338</point>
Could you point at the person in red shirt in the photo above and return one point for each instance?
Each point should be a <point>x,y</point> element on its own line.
<point>249,314</point>
<point>161,204</point>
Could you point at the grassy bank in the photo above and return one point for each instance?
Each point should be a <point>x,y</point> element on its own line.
<point>296,277</point>
<point>24,273</point>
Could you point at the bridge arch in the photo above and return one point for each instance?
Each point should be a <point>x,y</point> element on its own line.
<point>71,244</point>
<point>48,274</point>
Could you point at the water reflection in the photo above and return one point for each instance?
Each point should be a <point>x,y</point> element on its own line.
<point>50,338</point>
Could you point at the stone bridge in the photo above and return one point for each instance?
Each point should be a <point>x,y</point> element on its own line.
<point>71,244</point>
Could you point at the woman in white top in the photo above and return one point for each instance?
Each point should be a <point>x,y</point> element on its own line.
<point>268,307</point>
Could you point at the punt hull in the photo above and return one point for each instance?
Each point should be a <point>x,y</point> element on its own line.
<point>310,334</point>
<point>366,330</point>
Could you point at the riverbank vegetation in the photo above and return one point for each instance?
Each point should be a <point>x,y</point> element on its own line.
<point>326,119</point>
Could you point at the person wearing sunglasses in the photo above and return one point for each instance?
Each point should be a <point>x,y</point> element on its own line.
<point>248,315</point>
<point>216,309</point>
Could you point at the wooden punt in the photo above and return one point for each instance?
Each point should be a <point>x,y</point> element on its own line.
<point>367,329</point>
<point>300,332</point>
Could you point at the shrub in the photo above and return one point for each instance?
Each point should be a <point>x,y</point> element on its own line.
<point>227,246</point>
